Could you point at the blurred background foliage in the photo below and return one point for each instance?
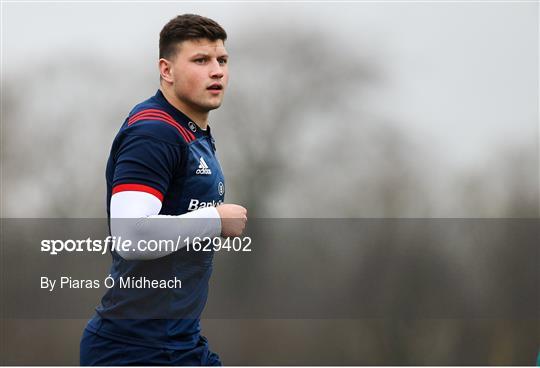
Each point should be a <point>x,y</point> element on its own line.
<point>298,136</point>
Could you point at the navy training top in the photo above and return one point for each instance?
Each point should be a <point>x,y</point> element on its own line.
<point>159,150</point>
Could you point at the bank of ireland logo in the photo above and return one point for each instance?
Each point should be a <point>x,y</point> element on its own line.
<point>192,126</point>
<point>221,188</point>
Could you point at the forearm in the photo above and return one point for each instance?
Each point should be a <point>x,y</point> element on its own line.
<point>135,216</point>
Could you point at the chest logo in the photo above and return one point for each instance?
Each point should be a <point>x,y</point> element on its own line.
<point>203,168</point>
<point>192,126</point>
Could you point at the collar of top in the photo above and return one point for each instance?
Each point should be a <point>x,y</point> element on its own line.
<point>180,117</point>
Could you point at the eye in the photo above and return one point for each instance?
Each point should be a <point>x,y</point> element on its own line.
<point>222,61</point>
<point>200,61</point>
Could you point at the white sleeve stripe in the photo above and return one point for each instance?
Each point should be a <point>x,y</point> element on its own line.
<point>131,204</point>
<point>148,224</point>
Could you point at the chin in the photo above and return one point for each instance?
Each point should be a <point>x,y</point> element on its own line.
<point>213,106</point>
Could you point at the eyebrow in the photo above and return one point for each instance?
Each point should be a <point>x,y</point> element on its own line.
<point>205,54</point>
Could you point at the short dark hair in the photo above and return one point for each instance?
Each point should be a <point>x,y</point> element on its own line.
<point>187,27</point>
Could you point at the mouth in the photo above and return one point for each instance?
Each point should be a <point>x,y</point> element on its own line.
<point>215,88</point>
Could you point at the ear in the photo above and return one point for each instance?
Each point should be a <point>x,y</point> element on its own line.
<point>165,70</point>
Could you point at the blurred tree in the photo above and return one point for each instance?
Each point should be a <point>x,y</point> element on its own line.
<point>297,137</point>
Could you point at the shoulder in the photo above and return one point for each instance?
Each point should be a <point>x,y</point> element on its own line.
<point>151,120</point>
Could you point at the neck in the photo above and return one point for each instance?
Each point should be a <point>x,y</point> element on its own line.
<point>199,117</point>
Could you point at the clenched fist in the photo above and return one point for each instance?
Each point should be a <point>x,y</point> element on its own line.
<point>233,219</point>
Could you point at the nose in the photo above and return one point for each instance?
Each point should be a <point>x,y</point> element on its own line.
<point>216,72</point>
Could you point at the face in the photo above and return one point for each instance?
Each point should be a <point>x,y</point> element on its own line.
<point>199,74</point>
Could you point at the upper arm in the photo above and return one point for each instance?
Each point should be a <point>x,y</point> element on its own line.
<point>134,204</point>
<point>144,164</point>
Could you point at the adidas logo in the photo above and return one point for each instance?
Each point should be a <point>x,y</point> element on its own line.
<point>203,168</point>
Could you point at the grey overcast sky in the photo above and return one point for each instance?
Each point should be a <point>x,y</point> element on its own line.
<point>462,75</point>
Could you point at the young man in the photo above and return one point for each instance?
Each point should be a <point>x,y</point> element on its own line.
<point>163,182</point>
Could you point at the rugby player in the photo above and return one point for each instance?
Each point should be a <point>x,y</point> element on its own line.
<point>164,181</point>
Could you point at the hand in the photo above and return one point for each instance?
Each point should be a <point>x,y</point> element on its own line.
<point>233,219</point>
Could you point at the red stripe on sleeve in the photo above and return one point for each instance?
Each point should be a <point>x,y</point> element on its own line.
<point>163,116</point>
<point>190,135</point>
<point>152,112</point>
<point>137,188</point>
<point>166,121</point>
